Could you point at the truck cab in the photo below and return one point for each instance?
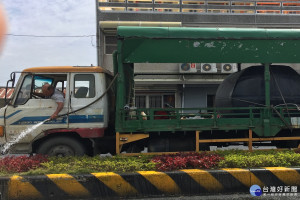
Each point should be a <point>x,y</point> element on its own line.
<point>83,119</point>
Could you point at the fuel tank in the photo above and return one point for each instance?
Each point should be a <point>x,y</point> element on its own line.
<point>247,87</point>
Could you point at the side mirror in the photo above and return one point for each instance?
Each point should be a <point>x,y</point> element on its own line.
<point>6,89</point>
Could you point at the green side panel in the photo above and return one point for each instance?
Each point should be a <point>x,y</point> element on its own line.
<point>115,62</point>
<point>269,128</point>
<point>120,92</point>
<point>211,45</point>
<point>202,125</point>
<point>125,84</point>
<point>138,50</point>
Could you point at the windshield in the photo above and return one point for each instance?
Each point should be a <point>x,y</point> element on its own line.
<point>24,92</point>
<point>26,89</point>
<point>39,81</point>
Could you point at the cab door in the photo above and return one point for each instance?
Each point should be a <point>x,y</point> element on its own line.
<point>86,88</point>
<point>28,110</point>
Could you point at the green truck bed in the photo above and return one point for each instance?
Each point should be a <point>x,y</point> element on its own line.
<point>203,45</point>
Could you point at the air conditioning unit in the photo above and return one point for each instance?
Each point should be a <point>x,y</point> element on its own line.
<point>187,68</point>
<point>209,68</point>
<point>228,67</point>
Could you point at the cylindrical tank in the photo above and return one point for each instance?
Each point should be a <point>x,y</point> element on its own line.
<point>247,87</point>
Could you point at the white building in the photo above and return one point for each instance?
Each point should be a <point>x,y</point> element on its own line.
<point>179,84</point>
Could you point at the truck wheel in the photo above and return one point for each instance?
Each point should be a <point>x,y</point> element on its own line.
<point>61,146</point>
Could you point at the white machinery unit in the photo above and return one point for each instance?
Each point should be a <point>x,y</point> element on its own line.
<point>187,68</point>
<point>209,68</point>
<point>228,67</point>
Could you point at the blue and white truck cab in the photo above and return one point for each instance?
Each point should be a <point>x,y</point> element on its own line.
<point>83,119</point>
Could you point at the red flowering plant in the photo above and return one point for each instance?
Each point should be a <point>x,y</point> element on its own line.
<point>16,164</point>
<point>190,160</point>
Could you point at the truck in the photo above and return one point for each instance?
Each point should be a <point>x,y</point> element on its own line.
<point>100,115</point>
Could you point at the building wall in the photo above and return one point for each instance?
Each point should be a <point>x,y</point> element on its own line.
<point>185,13</point>
<point>195,96</point>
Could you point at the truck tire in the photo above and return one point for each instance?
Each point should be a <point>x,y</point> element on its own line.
<point>61,146</point>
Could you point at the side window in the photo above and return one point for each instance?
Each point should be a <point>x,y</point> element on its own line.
<point>140,101</point>
<point>110,44</point>
<point>210,101</point>
<point>24,92</point>
<point>84,86</point>
<point>155,101</point>
<point>169,101</point>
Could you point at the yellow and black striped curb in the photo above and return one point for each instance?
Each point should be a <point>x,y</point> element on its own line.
<point>145,183</point>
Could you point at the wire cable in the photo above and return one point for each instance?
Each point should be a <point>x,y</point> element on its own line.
<point>280,92</point>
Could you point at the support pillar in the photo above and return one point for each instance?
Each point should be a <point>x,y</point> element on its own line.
<point>267,110</point>
<point>117,143</point>
<point>197,141</point>
<point>250,140</point>
<point>267,78</point>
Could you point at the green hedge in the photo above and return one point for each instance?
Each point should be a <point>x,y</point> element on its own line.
<point>273,158</point>
<point>77,165</point>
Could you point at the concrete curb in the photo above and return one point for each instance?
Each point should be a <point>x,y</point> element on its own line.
<point>145,183</point>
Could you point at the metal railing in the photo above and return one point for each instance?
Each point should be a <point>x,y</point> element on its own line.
<point>207,118</point>
<point>189,113</point>
<point>201,6</point>
<point>205,113</point>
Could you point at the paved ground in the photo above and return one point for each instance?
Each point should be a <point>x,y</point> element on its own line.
<point>225,197</point>
<point>215,197</point>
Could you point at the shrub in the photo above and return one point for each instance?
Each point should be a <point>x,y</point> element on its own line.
<point>297,150</point>
<point>16,164</point>
<point>261,159</point>
<point>78,165</point>
<point>190,160</point>
<point>40,164</point>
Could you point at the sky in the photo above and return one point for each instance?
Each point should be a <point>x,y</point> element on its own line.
<point>48,18</point>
